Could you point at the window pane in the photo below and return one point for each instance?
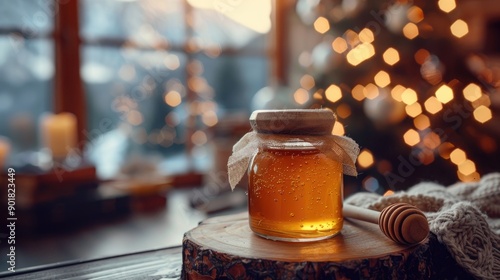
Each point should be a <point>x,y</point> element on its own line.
<point>136,99</point>
<point>232,24</point>
<point>235,79</point>
<point>32,17</point>
<point>26,87</point>
<point>146,22</point>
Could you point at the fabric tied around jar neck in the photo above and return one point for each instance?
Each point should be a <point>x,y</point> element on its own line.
<point>340,148</point>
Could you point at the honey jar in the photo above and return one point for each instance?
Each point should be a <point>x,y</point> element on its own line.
<point>295,174</point>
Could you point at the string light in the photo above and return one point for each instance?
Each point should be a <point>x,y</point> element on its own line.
<point>409,96</point>
<point>333,93</point>
<point>301,96</point>
<point>472,92</point>
<point>421,122</point>
<point>365,158</point>
<point>415,14</point>
<point>413,110</point>
<point>358,92</point>
<point>458,156</point>
<point>444,94</point>
<point>432,105</point>
<point>366,36</point>
<point>321,25</point>
<point>343,110</point>
<point>359,46</point>
<point>307,82</point>
<point>339,45</point>
<point>459,28</point>
<point>397,92</point>
<point>482,114</point>
<point>173,98</point>
<point>411,137</point>
<point>371,91</point>
<point>447,5</point>
<point>467,167</point>
<point>382,79</point>
<point>410,30</point>
<point>338,129</point>
<point>391,56</point>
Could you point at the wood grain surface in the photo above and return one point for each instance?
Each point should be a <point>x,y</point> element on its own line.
<point>226,247</point>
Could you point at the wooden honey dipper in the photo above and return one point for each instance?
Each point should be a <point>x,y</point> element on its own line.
<point>401,222</point>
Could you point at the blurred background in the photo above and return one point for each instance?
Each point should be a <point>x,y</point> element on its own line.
<point>117,116</point>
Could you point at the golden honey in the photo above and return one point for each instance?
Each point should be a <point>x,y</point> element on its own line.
<point>295,193</point>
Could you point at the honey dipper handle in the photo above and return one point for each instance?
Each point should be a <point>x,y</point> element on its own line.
<point>358,213</point>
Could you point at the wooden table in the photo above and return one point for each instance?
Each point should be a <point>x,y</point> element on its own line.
<point>157,264</point>
<point>167,264</point>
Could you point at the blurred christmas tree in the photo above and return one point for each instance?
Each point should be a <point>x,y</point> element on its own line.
<point>399,78</point>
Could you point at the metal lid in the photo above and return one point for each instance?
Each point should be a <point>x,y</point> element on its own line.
<point>293,121</point>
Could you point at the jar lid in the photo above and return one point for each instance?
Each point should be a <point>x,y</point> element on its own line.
<point>293,121</point>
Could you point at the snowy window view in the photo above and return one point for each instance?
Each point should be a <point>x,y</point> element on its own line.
<point>159,74</point>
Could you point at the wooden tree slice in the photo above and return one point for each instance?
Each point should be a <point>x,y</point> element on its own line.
<point>225,247</point>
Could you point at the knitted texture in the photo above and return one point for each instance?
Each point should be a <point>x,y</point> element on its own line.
<point>465,217</point>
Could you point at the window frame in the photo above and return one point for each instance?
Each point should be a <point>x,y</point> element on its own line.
<point>69,93</point>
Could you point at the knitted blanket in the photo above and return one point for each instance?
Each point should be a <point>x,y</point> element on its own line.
<point>465,217</point>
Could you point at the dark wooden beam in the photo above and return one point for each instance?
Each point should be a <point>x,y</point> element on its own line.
<point>69,94</point>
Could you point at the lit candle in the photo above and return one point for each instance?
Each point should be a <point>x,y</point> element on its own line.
<point>59,134</point>
<point>4,150</point>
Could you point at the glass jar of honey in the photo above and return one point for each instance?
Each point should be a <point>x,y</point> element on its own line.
<point>295,180</point>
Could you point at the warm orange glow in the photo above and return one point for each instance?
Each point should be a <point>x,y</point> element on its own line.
<point>444,94</point>
<point>173,98</point>
<point>445,150</point>
<point>382,79</point>
<point>333,93</point>
<point>422,122</point>
<point>397,92</point>
<point>413,110</point>
<point>391,56</point>
<point>388,193</point>
<point>317,94</point>
<point>432,105</point>
<point>482,114</point>
<point>409,96</point>
<point>410,30</point>
<point>371,91</point>
<point>255,15</point>
<point>360,53</point>
<point>301,96</point>
<point>365,158</point>
<point>307,82</point>
<point>467,167</point>
<point>484,100</point>
<point>199,138</point>
<point>473,177</point>
<point>447,5</point>
<point>338,129</point>
<point>366,36</point>
<point>431,140</point>
<point>415,14</point>
<point>421,56</point>
<point>344,110</point>
<point>351,37</point>
<point>209,118</point>
<point>458,156</point>
<point>321,25</point>
<point>472,92</point>
<point>358,92</point>
<point>339,45</point>
<point>459,28</point>
<point>172,62</point>
<point>134,117</point>
<point>411,137</point>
